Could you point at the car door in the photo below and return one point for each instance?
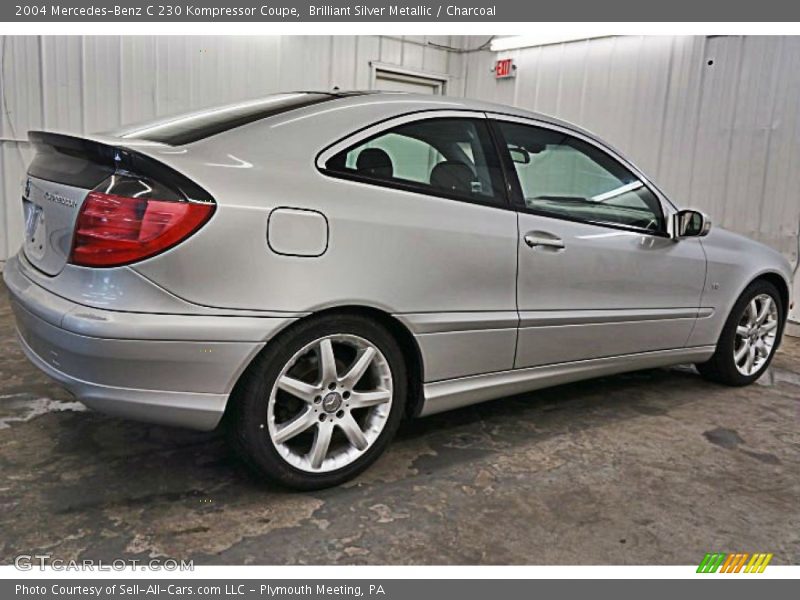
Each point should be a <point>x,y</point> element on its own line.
<point>424,219</point>
<point>598,273</point>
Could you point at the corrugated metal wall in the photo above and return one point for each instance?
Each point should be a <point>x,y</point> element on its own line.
<point>715,121</point>
<point>86,84</point>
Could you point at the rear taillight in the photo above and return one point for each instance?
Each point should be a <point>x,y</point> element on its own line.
<point>114,230</point>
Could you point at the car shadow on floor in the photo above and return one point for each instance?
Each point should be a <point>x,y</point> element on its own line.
<point>116,451</point>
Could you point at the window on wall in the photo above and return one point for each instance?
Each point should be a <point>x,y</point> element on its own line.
<point>447,157</point>
<point>563,176</point>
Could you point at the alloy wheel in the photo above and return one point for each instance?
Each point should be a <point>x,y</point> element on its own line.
<point>330,403</point>
<point>756,335</point>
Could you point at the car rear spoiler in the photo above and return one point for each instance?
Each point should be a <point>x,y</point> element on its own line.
<point>84,162</point>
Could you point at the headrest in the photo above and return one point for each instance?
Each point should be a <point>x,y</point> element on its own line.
<point>375,162</point>
<point>453,176</point>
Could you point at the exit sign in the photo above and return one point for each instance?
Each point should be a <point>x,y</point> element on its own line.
<point>504,68</point>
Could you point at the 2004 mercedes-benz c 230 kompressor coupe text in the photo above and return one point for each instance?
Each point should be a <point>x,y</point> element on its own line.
<point>313,267</point>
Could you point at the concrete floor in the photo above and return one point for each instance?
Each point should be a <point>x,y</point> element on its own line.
<point>655,467</point>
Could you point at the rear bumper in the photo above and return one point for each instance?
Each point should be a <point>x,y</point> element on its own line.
<point>169,369</point>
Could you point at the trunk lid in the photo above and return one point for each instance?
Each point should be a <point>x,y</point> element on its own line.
<point>64,171</point>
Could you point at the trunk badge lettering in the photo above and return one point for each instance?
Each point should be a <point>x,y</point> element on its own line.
<point>59,199</point>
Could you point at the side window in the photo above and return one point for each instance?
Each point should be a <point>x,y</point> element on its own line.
<point>447,156</point>
<point>563,176</point>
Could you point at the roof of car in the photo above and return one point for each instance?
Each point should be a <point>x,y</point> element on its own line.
<point>378,96</point>
<point>188,127</point>
<point>437,101</point>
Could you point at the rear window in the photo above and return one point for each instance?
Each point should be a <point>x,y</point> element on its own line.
<point>192,127</point>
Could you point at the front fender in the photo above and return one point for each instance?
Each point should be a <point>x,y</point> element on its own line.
<point>733,262</point>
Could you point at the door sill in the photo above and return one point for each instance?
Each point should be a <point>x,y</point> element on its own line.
<point>441,396</point>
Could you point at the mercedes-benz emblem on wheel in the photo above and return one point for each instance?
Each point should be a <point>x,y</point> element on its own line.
<point>332,402</point>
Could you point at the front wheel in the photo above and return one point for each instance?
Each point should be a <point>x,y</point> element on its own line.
<point>321,403</point>
<point>749,339</point>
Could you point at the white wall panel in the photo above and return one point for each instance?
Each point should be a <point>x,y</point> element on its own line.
<point>342,65</point>
<point>391,50</point>
<point>138,86</point>
<point>21,111</point>
<point>102,87</point>
<point>367,49</point>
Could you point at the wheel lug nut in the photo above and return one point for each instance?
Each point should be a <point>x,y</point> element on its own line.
<point>318,399</point>
<point>346,395</point>
<point>332,386</point>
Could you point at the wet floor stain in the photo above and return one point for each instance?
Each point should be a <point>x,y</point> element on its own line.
<point>19,408</point>
<point>725,438</point>
<point>764,457</point>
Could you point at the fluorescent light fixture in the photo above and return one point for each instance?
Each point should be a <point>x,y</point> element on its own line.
<point>512,42</point>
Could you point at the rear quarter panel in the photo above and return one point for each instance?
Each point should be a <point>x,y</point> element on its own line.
<point>396,250</point>
<point>405,253</point>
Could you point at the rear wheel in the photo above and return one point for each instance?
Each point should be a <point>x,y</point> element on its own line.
<point>749,339</point>
<point>321,403</point>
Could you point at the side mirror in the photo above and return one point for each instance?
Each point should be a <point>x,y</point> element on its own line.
<point>690,223</point>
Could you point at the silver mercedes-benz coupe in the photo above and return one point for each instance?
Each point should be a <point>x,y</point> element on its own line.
<point>315,266</point>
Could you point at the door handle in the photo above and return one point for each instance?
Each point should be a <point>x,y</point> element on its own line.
<point>534,240</point>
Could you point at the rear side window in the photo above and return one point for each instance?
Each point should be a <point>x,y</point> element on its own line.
<point>193,127</point>
<point>448,157</point>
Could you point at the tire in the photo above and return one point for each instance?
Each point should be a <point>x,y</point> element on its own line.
<point>261,408</point>
<point>722,367</point>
